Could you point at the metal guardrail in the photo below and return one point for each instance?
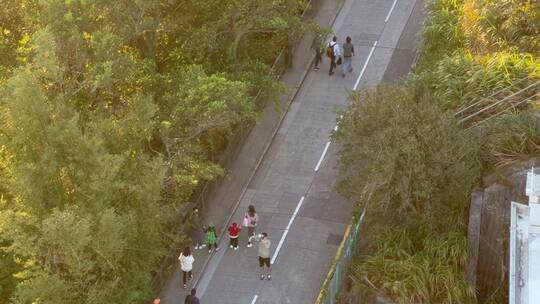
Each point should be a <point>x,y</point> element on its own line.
<point>336,278</point>
<point>486,108</point>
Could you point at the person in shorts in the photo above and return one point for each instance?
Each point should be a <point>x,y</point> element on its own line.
<point>234,231</point>
<point>264,255</point>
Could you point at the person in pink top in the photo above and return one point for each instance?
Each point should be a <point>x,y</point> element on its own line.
<point>250,221</point>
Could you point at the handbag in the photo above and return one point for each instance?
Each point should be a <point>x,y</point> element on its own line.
<point>339,61</point>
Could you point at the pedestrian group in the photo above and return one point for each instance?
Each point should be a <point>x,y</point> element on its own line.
<point>209,235</point>
<point>206,235</point>
<point>336,54</point>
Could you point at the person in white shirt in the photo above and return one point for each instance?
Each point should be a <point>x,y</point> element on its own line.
<point>264,255</point>
<point>334,53</point>
<point>186,264</point>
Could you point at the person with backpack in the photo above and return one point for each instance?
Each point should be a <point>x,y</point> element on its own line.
<point>250,221</point>
<point>333,52</point>
<point>191,298</point>
<point>348,52</point>
<point>186,264</point>
<point>211,238</point>
<point>234,230</point>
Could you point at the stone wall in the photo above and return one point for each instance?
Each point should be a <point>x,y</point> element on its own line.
<point>489,224</point>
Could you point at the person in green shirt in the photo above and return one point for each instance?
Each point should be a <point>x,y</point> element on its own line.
<point>211,238</point>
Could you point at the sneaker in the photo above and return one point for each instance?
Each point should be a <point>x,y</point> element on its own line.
<point>231,246</point>
<point>185,286</point>
<point>262,277</point>
<point>236,248</point>
<point>202,246</point>
<point>196,247</point>
<point>316,68</point>
<point>249,245</point>
<point>217,248</point>
<point>209,250</point>
<point>269,277</point>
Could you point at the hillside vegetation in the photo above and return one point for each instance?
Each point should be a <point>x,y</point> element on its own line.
<point>111,115</point>
<point>407,159</point>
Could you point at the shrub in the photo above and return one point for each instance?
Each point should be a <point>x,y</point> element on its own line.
<point>415,154</point>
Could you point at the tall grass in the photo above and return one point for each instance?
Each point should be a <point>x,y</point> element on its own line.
<point>493,26</point>
<point>463,78</point>
<point>511,139</point>
<point>422,165</point>
<point>442,34</point>
<point>416,266</point>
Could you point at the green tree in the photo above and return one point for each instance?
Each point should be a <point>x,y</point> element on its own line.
<point>413,152</point>
<point>83,214</point>
<point>417,167</point>
<point>112,113</point>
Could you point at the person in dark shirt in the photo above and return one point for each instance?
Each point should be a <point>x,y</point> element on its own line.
<point>316,45</point>
<point>191,298</point>
<point>348,52</point>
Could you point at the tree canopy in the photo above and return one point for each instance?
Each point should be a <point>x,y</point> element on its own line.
<point>111,114</point>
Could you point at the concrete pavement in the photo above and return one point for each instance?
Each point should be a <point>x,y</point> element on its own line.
<point>293,187</point>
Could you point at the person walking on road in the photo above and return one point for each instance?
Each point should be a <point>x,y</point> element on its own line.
<point>250,221</point>
<point>264,255</point>
<point>234,231</point>
<point>198,227</point>
<point>348,52</point>
<point>186,264</point>
<point>316,46</point>
<point>191,298</point>
<point>211,238</point>
<point>333,52</point>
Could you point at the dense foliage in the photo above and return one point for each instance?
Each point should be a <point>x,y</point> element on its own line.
<point>405,147</point>
<point>417,265</point>
<point>491,26</point>
<point>415,162</point>
<point>112,113</point>
<point>409,149</point>
<point>458,72</point>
